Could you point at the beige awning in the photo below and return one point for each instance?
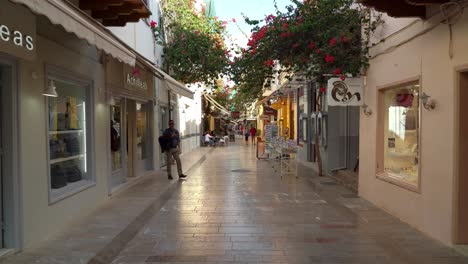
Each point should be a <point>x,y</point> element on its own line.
<point>75,21</point>
<point>174,85</point>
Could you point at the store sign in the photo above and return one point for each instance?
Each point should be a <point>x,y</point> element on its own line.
<point>134,78</point>
<point>17,31</point>
<point>269,111</point>
<point>345,93</point>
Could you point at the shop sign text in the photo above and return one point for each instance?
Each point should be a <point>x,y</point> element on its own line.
<point>134,81</point>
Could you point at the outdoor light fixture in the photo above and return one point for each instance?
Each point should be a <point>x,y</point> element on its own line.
<point>427,102</point>
<point>111,100</point>
<point>51,90</point>
<point>366,110</point>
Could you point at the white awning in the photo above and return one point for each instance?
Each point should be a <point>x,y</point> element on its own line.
<point>75,21</point>
<point>174,85</point>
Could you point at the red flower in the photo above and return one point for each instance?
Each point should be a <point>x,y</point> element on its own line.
<point>226,52</point>
<point>337,71</point>
<point>253,51</point>
<point>269,63</point>
<point>342,39</point>
<point>234,20</point>
<point>270,17</point>
<point>342,77</point>
<point>323,89</point>
<point>311,45</point>
<point>329,58</point>
<point>333,41</point>
<point>231,62</point>
<point>224,22</point>
<point>318,50</point>
<point>295,45</point>
<point>153,24</point>
<point>285,34</point>
<point>304,60</point>
<point>136,72</point>
<point>285,25</point>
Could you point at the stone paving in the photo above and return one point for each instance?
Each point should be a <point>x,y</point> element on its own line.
<point>235,209</point>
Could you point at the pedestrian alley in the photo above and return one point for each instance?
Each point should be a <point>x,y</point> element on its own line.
<point>234,209</point>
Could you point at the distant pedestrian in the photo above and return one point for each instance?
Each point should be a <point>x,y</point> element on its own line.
<point>173,149</point>
<point>246,134</point>
<point>253,134</point>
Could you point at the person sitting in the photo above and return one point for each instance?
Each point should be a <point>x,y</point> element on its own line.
<point>209,139</point>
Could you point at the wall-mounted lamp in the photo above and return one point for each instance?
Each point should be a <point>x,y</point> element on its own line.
<point>111,100</point>
<point>427,102</point>
<point>50,90</point>
<point>366,110</point>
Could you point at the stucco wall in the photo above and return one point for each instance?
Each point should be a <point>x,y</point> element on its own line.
<point>40,219</point>
<point>426,56</point>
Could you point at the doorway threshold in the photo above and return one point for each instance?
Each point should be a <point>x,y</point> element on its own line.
<point>4,252</point>
<point>462,249</point>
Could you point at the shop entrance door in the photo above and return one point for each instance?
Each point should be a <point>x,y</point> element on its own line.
<point>343,137</point>
<point>117,143</point>
<point>461,186</point>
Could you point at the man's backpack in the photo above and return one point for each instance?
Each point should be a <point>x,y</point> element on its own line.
<point>164,143</point>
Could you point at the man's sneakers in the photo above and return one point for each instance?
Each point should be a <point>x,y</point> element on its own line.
<point>182,176</point>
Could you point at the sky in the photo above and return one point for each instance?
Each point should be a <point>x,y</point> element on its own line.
<point>253,9</point>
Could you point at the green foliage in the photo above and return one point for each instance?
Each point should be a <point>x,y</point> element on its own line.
<point>195,49</point>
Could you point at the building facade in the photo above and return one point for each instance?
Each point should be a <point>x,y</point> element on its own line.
<point>413,161</point>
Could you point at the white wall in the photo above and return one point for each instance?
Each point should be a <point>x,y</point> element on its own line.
<point>398,58</point>
<point>190,121</point>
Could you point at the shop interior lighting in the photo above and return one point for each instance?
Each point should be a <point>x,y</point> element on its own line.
<point>51,90</point>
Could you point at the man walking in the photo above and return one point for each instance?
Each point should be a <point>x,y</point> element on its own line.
<point>172,135</point>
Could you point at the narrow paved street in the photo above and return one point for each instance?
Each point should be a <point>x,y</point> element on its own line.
<point>235,209</point>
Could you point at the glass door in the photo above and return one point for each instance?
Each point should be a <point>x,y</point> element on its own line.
<point>117,143</point>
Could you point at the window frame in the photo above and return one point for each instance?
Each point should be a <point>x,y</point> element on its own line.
<point>59,74</point>
<point>379,166</point>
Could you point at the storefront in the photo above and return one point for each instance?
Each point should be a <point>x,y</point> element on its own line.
<point>130,92</point>
<point>53,116</point>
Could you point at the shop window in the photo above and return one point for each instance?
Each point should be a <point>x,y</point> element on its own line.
<point>68,140</point>
<point>400,135</point>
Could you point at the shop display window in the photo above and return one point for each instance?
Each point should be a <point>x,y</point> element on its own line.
<point>68,140</point>
<point>401,113</point>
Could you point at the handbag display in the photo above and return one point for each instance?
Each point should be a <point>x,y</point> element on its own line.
<point>73,174</point>
<point>58,177</point>
<point>73,146</point>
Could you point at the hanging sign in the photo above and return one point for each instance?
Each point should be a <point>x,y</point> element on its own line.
<point>345,93</point>
<point>17,31</point>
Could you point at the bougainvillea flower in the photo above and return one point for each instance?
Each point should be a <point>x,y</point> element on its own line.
<point>269,18</point>
<point>269,63</point>
<point>136,72</point>
<point>323,89</point>
<point>285,34</point>
<point>153,24</point>
<point>295,45</point>
<point>333,41</point>
<point>337,71</point>
<point>311,45</point>
<point>329,58</point>
<point>318,50</point>
<point>285,26</point>
<point>342,77</point>
<point>234,20</point>
<point>342,39</point>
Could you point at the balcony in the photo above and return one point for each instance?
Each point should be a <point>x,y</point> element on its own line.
<point>116,13</point>
<point>402,8</point>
